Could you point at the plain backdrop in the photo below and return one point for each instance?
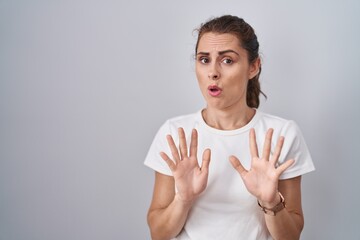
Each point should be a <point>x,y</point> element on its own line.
<point>85,85</point>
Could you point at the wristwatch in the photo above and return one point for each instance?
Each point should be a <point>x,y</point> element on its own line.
<point>272,211</point>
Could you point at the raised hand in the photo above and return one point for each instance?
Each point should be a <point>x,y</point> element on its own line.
<point>190,178</point>
<point>261,180</point>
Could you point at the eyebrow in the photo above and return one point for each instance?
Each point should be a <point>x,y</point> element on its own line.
<point>220,53</point>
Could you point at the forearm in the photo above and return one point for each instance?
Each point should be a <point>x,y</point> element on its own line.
<point>166,223</point>
<point>285,225</point>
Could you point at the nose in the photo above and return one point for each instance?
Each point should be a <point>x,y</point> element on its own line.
<point>214,73</point>
<point>214,76</point>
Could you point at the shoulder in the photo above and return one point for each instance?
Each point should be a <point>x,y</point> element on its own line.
<point>159,144</point>
<point>281,126</point>
<point>187,122</point>
<point>266,121</point>
<point>294,146</point>
<point>271,119</point>
<point>184,118</point>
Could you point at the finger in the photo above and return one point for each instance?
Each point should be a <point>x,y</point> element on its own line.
<point>284,166</point>
<point>182,143</point>
<point>277,151</point>
<point>253,146</point>
<point>194,143</point>
<point>169,162</point>
<point>206,160</point>
<point>173,148</point>
<point>237,165</point>
<point>267,144</point>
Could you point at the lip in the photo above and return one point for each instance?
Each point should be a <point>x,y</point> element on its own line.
<point>214,91</point>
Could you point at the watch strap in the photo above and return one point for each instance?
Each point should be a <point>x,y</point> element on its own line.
<point>277,208</point>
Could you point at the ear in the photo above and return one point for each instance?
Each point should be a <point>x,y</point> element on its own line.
<point>254,68</point>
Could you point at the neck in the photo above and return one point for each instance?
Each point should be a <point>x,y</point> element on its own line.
<point>228,119</point>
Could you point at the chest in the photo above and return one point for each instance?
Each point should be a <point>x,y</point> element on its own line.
<point>225,188</point>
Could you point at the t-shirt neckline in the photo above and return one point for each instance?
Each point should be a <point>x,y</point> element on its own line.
<point>240,130</point>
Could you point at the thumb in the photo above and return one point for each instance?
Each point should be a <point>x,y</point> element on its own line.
<point>285,166</point>
<point>206,160</point>
<point>237,165</point>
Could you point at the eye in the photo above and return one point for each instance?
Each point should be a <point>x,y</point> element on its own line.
<point>203,60</point>
<point>227,61</point>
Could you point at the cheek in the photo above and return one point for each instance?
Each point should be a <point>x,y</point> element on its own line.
<point>201,76</point>
<point>238,83</point>
<point>240,76</point>
<point>202,85</point>
<point>199,70</point>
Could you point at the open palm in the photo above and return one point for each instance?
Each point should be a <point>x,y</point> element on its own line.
<point>190,178</point>
<point>261,180</point>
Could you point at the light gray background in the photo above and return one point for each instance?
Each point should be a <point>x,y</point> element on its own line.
<point>84,86</point>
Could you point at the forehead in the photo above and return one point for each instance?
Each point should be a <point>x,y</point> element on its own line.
<point>218,41</point>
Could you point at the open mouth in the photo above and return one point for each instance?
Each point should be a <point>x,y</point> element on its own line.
<point>214,90</point>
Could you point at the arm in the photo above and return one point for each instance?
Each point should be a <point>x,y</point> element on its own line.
<point>288,223</point>
<point>167,213</point>
<point>169,210</point>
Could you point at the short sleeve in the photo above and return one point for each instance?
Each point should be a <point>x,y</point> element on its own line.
<point>159,144</point>
<point>295,148</point>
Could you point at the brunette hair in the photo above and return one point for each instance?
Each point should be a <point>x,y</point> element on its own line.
<point>248,40</point>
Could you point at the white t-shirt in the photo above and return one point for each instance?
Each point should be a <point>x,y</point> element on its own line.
<point>226,210</point>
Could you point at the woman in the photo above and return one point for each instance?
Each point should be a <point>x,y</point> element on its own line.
<point>198,193</point>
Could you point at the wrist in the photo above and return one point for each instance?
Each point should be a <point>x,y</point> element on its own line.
<point>275,206</point>
<point>185,202</point>
<point>270,204</point>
